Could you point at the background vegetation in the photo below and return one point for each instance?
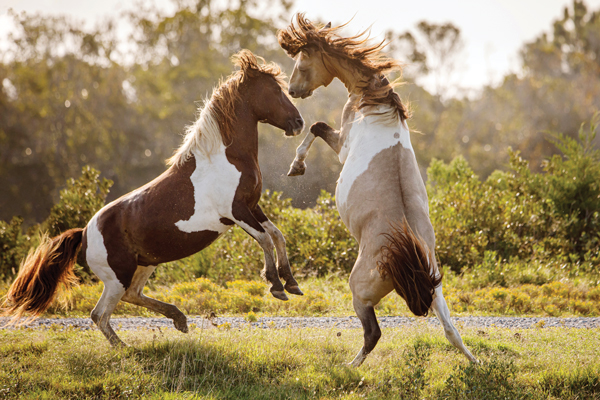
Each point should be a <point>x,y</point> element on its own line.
<point>520,242</point>
<point>516,208</point>
<point>72,97</point>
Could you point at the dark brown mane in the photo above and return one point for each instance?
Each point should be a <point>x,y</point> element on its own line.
<point>219,110</point>
<point>365,59</point>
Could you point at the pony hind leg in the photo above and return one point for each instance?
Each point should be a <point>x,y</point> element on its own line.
<point>372,332</point>
<point>367,290</point>
<point>112,293</point>
<point>441,311</point>
<point>134,295</point>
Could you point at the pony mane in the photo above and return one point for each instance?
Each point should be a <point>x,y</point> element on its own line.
<point>217,117</point>
<point>365,59</point>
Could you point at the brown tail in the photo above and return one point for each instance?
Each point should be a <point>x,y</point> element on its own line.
<point>40,274</point>
<point>406,260</point>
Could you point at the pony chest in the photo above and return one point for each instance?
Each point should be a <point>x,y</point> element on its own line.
<point>215,182</point>
<point>365,141</point>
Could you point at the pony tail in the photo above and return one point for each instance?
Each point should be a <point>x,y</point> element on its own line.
<point>407,261</point>
<point>40,274</point>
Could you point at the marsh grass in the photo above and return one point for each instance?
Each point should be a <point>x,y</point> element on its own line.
<point>409,363</point>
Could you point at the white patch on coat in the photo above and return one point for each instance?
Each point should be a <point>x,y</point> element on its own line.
<point>96,255</point>
<point>215,182</point>
<point>366,138</point>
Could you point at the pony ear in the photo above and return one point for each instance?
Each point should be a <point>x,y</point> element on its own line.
<point>328,26</point>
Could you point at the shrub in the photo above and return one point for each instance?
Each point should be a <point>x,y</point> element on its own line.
<point>13,247</point>
<point>521,215</point>
<point>79,201</point>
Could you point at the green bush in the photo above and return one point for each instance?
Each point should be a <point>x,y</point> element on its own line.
<point>516,227</point>
<point>13,247</point>
<point>521,215</point>
<point>79,201</point>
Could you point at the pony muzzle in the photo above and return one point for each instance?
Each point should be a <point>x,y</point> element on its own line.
<point>295,126</point>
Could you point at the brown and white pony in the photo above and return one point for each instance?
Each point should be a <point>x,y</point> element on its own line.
<point>380,194</point>
<point>213,182</point>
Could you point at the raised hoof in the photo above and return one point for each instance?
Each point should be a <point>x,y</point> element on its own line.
<point>297,169</point>
<point>320,128</point>
<point>181,325</point>
<point>294,290</point>
<point>280,294</point>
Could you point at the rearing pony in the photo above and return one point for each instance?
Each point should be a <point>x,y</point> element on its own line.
<point>380,194</point>
<point>213,182</point>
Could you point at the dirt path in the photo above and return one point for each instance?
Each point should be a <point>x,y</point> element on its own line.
<point>311,322</point>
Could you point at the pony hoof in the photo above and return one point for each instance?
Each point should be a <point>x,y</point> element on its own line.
<point>280,294</point>
<point>294,290</point>
<point>297,169</point>
<point>181,325</point>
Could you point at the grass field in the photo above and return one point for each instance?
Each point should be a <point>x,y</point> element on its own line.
<point>409,363</point>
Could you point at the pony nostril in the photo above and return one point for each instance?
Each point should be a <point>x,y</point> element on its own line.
<point>300,121</point>
<point>292,92</point>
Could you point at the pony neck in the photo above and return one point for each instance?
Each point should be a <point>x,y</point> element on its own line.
<point>244,138</point>
<point>353,80</point>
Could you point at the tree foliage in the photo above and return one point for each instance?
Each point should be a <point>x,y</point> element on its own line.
<point>72,97</point>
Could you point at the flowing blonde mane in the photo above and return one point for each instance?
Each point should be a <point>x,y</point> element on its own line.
<point>366,60</point>
<point>216,118</point>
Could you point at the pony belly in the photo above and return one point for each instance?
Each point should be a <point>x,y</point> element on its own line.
<point>176,247</point>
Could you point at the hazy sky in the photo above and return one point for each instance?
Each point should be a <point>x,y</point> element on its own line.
<point>493,30</point>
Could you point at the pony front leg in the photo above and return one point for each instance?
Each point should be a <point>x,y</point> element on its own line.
<point>441,311</point>
<point>328,134</point>
<point>318,129</point>
<point>298,165</point>
<point>283,263</point>
<point>248,222</point>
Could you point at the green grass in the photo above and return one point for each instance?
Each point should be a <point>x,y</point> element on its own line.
<point>409,363</point>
